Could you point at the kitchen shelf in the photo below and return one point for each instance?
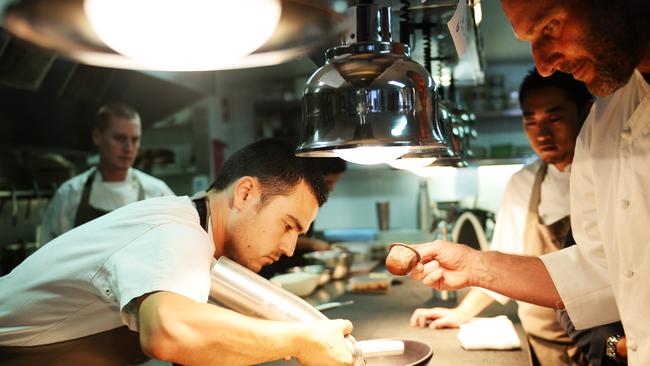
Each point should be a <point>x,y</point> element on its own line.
<point>172,169</point>
<point>26,193</point>
<point>498,114</point>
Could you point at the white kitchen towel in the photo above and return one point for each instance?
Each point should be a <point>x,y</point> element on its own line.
<point>489,333</point>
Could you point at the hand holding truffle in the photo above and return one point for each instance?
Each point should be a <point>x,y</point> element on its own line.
<point>445,265</point>
<point>401,259</point>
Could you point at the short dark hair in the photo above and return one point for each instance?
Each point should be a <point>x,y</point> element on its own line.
<point>276,167</point>
<point>327,166</point>
<point>112,110</point>
<point>576,91</point>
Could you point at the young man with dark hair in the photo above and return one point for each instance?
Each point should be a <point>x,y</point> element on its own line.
<point>331,169</point>
<point>143,285</point>
<point>605,44</point>
<point>109,185</point>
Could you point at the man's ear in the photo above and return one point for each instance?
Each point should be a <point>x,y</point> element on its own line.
<point>245,192</point>
<point>97,136</point>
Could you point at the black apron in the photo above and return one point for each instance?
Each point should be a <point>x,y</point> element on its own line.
<point>86,212</point>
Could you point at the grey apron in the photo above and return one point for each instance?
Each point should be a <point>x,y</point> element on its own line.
<point>86,212</point>
<point>549,343</point>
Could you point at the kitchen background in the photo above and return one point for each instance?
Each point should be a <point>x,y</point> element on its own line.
<point>192,121</point>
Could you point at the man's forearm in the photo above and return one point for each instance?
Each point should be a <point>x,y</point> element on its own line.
<point>174,328</point>
<point>519,277</point>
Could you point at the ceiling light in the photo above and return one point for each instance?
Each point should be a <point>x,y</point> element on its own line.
<point>410,163</point>
<point>371,155</point>
<point>187,35</point>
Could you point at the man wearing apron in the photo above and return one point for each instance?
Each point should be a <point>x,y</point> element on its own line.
<point>534,215</point>
<point>112,183</point>
<point>143,284</point>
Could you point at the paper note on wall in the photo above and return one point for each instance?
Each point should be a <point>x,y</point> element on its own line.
<point>458,27</point>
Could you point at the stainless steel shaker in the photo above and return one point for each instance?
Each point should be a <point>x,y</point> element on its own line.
<point>243,291</point>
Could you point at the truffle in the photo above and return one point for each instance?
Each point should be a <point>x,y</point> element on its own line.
<point>401,259</point>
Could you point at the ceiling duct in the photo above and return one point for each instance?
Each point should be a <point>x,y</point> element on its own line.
<point>22,66</point>
<point>371,103</point>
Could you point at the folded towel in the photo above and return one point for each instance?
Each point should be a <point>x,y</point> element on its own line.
<point>489,333</point>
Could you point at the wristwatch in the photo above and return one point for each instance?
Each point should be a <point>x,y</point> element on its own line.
<point>610,346</point>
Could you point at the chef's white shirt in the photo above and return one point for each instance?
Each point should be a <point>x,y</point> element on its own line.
<point>608,272</point>
<point>70,289</point>
<point>107,196</point>
<point>510,224</point>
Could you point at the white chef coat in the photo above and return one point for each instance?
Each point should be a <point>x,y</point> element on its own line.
<point>510,225</point>
<point>607,273</point>
<point>69,289</point>
<point>107,196</point>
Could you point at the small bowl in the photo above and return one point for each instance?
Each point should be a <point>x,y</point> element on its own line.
<point>338,261</point>
<point>298,283</point>
<point>324,273</point>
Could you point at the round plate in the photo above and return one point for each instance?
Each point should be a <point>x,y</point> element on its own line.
<point>416,353</point>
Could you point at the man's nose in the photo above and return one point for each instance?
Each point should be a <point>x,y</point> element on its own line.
<point>288,246</point>
<point>129,145</point>
<point>544,133</point>
<point>546,56</point>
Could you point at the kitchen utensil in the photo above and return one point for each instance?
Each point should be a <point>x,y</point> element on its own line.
<point>298,283</point>
<point>338,260</point>
<point>415,353</point>
<point>324,273</point>
<point>383,215</point>
<point>333,305</point>
<point>243,291</point>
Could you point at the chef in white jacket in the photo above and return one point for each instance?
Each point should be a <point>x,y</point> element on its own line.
<point>605,276</point>
<point>111,184</point>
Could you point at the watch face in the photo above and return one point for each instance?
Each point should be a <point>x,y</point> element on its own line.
<point>610,347</point>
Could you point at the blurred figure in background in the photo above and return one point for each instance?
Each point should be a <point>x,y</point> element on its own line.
<point>109,185</point>
<point>534,215</point>
<point>332,170</point>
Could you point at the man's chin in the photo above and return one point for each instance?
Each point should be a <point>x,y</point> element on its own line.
<point>550,158</point>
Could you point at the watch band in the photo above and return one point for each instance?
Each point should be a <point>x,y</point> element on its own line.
<point>610,346</point>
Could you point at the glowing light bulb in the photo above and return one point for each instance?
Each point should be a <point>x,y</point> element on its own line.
<point>410,163</point>
<point>187,35</point>
<point>436,172</point>
<point>371,155</point>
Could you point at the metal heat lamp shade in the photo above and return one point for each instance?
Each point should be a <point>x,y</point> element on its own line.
<point>370,103</point>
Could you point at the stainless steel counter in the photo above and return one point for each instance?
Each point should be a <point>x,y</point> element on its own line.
<point>387,316</point>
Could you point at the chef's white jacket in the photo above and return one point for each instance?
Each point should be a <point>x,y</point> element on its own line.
<point>81,282</point>
<point>510,225</point>
<point>107,196</point>
<point>608,272</point>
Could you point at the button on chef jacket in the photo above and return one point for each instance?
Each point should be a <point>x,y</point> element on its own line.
<point>608,272</point>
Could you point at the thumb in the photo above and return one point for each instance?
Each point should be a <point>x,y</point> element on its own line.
<point>345,326</point>
<point>442,323</point>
